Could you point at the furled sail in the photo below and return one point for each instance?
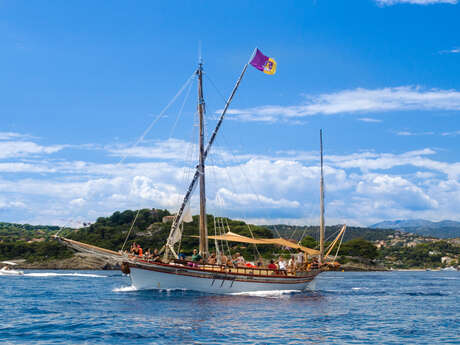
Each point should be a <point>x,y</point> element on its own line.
<point>188,216</point>
<point>232,237</point>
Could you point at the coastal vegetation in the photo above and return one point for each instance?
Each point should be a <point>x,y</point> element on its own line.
<point>378,247</point>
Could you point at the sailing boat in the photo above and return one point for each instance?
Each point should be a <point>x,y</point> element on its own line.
<point>173,272</point>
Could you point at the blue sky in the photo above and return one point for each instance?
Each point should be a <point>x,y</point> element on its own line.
<point>81,82</point>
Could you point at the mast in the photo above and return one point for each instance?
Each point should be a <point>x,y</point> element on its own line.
<point>203,218</point>
<point>321,220</point>
<point>175,234</point>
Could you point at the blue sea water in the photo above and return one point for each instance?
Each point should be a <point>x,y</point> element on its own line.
<point>100,307</point>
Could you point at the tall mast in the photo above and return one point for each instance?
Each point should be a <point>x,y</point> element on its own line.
<point>203,218</point>
<point>175,234</point>
<point>321,220</point>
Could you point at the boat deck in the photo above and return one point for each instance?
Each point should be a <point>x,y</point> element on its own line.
<point>241,270</point>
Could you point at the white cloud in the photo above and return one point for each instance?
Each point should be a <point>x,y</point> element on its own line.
<point>233,200</point>
<point>409,133</point>
<point>358,100</point>
<point>16,149</point>
<point>361,187</point>
<point>369,119</point>
<point>454,133</point>
<point>396,191</point>
<point>13,135</point>
<point>450,51</point>
<point>415,2</point>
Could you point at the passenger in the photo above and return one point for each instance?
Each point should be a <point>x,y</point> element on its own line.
<point>282,265</point>
<point>314,264</point>
<point>300,260</point>
<point>134,248</point>
<point>272,265</point>
<point>196,257</point>
<point>212,259</point>
<point>260,262</point>
<point>291,264</point>
<point>148,254</point>
<point>156,255</point>
<point>181,256</point>
<point>238,260</point>
<point>223,260</point>
<point>139,250</point>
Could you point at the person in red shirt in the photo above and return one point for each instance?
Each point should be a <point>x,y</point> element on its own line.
<point>139,250</point>
<point>272,265</point>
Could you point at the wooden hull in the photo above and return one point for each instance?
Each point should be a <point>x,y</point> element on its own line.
<point>163,276</point>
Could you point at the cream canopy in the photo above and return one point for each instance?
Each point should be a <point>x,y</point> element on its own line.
<point>232,237</point>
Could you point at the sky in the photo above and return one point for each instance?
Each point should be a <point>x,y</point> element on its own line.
<point>98,109</point>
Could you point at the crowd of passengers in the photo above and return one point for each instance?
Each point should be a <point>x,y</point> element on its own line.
<point>296,262</point>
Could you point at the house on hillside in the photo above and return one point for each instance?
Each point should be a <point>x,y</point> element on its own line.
<point>167,219</point>
<point>447,260</point>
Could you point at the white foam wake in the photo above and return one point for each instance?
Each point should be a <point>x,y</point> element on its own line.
<point>125,289</point>
<point>267,294</point>
<point>53,274</point>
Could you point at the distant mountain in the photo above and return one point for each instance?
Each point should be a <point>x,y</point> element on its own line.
<point>442,229</point>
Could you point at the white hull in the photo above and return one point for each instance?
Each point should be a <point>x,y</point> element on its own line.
<point>145,279</point>
<point>10,273</point>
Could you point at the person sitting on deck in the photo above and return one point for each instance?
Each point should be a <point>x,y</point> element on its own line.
<point>134,249</point>
<point>181,256</point>
<point>223,260</point>
<point>291,264</point>
<point>196,257</point>
<point>272,265</point>
<point>148,254</point>
<point>238,260</point>
<point>139,250</point>
<point>212,259</point>
<point>314,264</point>
<point>282,265</point>
<point>156,255</point>
<point>259,262</point>
<point>300,260</point>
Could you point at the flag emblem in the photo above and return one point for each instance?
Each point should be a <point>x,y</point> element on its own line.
<point>263,63</point>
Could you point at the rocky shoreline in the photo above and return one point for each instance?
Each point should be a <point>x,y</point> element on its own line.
<point>79,261</point>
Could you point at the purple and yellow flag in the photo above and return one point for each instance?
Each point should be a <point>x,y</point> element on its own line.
<point>263,63</point>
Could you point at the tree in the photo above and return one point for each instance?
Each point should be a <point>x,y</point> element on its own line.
<point>309,242</point>
<point>359,247</point>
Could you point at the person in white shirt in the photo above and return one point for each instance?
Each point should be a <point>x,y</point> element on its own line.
<point>282,264</point>
<point>300,259</point>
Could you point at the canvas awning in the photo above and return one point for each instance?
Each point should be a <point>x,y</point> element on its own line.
<point>232,237</point>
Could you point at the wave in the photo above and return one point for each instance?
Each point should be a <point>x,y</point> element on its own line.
<point>53,274</point>
<point>425,294</point>
<point>266,294</point>
<point>125,289</point>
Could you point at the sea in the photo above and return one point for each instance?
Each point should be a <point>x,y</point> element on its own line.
<point>101,307</point>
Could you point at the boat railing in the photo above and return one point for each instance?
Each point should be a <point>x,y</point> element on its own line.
<point>256,271</point>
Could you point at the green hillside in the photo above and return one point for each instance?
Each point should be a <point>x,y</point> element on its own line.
<point>352,232</point>
<point>150,232</point>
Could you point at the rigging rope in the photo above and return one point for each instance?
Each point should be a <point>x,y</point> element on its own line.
<point>179,115</point>
<point>250,185</point>
<point>129,232</point>
<point>338,248</point>
<point>139,140</point>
